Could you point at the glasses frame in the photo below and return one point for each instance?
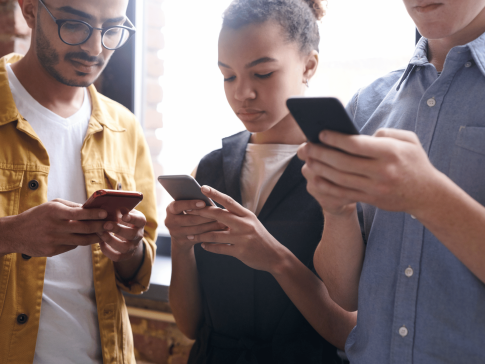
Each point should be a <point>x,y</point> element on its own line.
<point>61,22</point>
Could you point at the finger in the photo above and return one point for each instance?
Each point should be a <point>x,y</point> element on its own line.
<point>223,249</point>
<point>110,252</point>
<point>83,227</point>
<point>67,203</point>
<point>119,245</point>
<point>128,233</point>
<point>216,214</point>
<point>359,145</point>
<point>339,178</point>
<point>228,202</point>
<point>64,212</point>
<point>404,135</point>
<point>175,221</point>
<point>178,207</point>
<point>82,240</point>
<point>321,188</point>
<point>302,151</point>
<point>196,230</point>
<point>135,218</point>
<point>61,249</point>
<point>223,237</point>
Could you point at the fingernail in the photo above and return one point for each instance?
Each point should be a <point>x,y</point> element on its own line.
<point>205,189</point>
<point>200,204</point>
<point>126,218</point>
<point>202,245</point>
<point>190,237</point>
<point>323,136</point>
<point>102,214</point>
<point>108,226</point>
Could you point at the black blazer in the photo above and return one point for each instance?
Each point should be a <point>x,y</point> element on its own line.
<point>248,318</point>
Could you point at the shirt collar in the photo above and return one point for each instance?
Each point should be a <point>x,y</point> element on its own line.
<point>8,109</point>
<point>420,56</point>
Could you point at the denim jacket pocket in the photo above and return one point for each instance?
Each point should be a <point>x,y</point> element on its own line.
<point>10,186</point>
<point>119,180</point>
<point>467,166</point>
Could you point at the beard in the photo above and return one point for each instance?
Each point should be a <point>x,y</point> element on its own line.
<point>49,59</point>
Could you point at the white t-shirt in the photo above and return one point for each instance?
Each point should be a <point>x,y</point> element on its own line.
<point>68,329</point>
<point>262,168</point>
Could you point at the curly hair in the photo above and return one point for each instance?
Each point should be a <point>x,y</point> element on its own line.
<point>297,17</point>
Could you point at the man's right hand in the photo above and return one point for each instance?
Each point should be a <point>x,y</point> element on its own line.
<point>50,229</point>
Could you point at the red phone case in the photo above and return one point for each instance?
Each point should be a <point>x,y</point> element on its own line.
<point>112,201</point>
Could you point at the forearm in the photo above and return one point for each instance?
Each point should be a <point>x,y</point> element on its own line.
<point>185,297</point>
<point>127,269</point>
<point>339,257</point>
<point>458,222</point>
<point>311,297</point>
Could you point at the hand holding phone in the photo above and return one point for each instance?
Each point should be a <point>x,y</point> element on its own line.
<point>113,201</point>
<point>314,114</point>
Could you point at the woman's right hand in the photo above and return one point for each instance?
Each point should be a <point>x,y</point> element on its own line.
<point>181,225</point>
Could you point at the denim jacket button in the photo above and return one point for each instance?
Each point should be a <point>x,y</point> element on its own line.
<point>22,318</point>
<point>26,257</point>
<point>33,185</point>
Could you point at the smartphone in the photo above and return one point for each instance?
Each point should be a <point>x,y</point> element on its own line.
<point>184,187</point>
<point>112,201</point>
<point>314,114</point>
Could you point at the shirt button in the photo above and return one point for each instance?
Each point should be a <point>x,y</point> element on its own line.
<point>403,331</point>
<point>22,318</point>
<point>413,217</point>
<point>431,102</point>
<point>409,272</point>
<point>468,64</point>
<point>33,185</point>
<point>26,257</point>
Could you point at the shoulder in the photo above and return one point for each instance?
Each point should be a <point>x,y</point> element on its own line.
<point>368,98</point>
<point>116,114</point>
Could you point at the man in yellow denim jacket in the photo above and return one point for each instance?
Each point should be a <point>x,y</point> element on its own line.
<point>113,154</point>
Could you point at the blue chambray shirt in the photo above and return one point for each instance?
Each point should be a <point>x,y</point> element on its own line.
<point>417,302</point>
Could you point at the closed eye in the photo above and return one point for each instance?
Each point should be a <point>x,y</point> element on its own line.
<point>229,79</point>
<point>263,76</point>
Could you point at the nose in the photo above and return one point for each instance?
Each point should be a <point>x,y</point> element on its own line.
<point>93,46</point>
<point>244,91</point>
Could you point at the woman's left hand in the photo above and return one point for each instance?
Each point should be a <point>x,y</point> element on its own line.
<point>245,237</point>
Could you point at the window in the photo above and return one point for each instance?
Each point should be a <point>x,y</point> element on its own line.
<point>360,41</point>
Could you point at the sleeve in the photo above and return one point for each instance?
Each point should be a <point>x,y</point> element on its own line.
<point>145,183</point>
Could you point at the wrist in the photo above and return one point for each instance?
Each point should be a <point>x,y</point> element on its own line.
<point>181,249</point>
<point>346,214</point>
<point>282,262</point>
<point>6,241</point>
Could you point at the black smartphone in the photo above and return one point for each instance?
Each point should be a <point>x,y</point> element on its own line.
<point>184,187</point>
<point>314,114</point>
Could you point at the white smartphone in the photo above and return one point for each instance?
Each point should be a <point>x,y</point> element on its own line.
<point>184,187</point>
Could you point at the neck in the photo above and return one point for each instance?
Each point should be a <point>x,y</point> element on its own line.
<point>286,131</point>
<point>46,90</point>
<point>438,49</point>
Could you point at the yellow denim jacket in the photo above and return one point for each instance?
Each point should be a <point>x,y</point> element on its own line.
<point>114,151</point>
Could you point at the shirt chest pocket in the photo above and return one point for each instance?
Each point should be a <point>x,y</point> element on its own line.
<point>467,168</point>
<point>10,188</point>
<point>107,179</point>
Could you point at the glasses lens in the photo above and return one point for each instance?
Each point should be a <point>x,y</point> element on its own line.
<point>74,32</point>
<point>115,37</point>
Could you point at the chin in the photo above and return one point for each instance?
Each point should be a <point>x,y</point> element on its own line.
<point>436,31</point>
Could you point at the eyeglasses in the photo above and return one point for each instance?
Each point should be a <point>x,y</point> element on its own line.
<point>75,32</point>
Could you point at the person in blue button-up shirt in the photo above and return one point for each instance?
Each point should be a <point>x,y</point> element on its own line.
<point>415,179</point>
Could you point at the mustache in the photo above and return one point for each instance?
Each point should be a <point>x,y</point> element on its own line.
<point>83,57</point>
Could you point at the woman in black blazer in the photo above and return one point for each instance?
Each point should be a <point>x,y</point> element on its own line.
<point>251,294</point>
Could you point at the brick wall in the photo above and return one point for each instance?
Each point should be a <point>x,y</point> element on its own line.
<point>14,32</point>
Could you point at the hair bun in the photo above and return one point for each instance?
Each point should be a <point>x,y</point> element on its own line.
<point>317,7</point>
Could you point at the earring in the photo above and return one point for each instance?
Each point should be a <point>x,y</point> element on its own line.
<point>306,83</point>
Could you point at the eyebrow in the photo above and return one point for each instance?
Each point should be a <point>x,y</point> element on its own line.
<point>82,14</point>
<point>253,63</point>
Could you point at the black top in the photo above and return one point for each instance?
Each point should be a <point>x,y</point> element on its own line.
<point>248,318</point>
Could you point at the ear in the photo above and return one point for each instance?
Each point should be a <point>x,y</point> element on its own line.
<point>29,11</point>
<point>311,65</point>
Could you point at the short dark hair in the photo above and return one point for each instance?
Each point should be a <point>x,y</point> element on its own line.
<point>297,17</point>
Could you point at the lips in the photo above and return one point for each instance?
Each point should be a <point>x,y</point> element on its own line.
<point>85,67</point>
<point>427,8</point>
<point>249,114</point>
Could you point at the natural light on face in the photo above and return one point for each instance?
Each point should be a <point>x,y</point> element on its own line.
<point>360,41</point>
